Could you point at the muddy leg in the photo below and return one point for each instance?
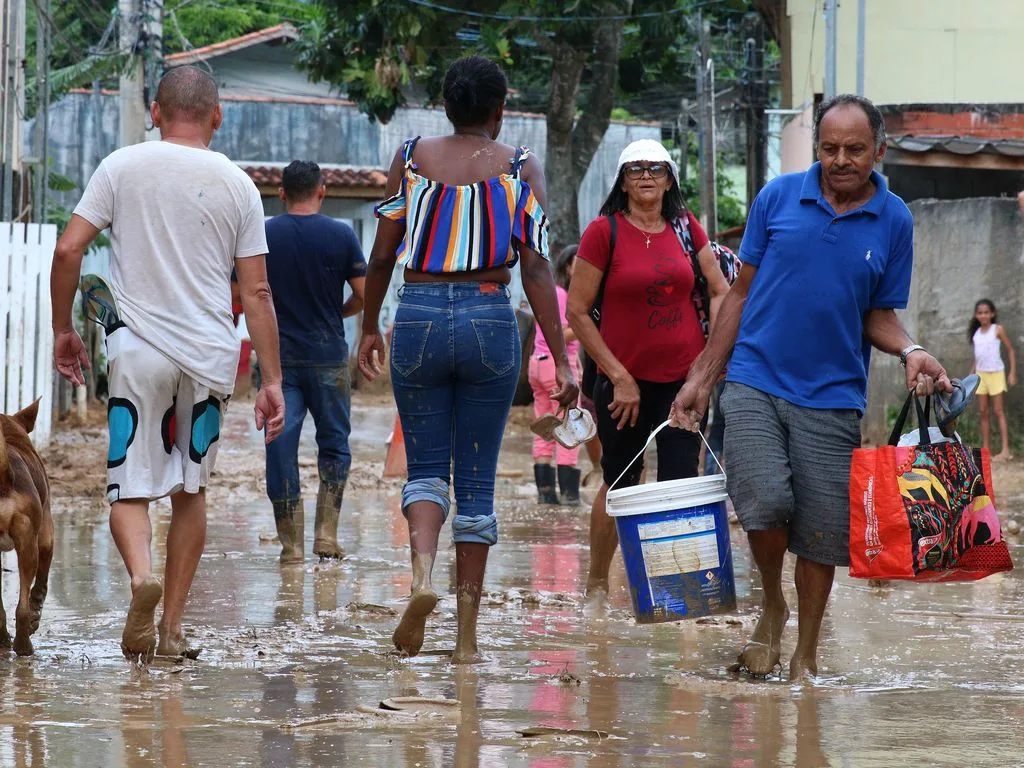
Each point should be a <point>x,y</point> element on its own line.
<point>132,532</point>
<point>764,649</point>
<point>328,510</point>
<point>813,586</point>
<point>28,560</point>
<point>604,538</point>
<point>1004,454</point>
<point>425,521</point>
<point>186,539</point>
<point>470,564</point>
<point>40,586</point>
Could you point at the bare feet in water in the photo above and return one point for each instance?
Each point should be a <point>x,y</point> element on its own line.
<point>763,651</point>
<point>139,637</point>
<point>408,638</point>
<point>802,669</point>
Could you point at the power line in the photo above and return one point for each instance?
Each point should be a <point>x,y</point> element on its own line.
<point>506,17</point>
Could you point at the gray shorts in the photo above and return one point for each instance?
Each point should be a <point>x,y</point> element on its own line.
<point>789,467</point>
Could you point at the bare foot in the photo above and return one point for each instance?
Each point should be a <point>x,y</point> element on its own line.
<point>469,655</point>
<point>595,604</point>
<point>763,651</point>
<point>174,644</point>
<point>409,635</point>
<point>802,669</point>
<point>1003,456</point>
<point>139,636</point>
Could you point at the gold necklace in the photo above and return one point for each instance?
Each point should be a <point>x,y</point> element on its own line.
<point>643,231</point>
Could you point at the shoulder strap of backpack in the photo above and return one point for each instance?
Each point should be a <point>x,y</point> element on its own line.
<point>595,311</point>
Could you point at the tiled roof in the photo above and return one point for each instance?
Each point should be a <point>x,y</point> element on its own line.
<point>270,34</point>
<point>335,176</point>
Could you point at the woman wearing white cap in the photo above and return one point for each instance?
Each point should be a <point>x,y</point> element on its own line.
<point>637,261</point>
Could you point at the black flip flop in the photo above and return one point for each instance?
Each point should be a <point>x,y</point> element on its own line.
<point>949,407</point>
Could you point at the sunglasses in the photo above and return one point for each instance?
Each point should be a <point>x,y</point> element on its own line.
<point>657,171</point>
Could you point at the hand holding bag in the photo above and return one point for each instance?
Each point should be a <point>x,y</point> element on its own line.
<point>924,512</point>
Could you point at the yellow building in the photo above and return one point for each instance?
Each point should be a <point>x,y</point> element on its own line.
<point>941,56</point>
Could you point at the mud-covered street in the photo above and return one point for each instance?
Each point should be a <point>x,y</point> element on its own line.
<point>296,660</point>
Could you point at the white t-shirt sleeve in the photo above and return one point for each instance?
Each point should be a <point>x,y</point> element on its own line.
<point>97,203</point>
<point>252,234</point>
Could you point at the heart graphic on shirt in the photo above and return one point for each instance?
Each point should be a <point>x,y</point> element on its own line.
<point>667,289</point>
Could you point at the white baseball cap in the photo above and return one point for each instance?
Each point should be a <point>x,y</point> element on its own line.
<point>650,151</point>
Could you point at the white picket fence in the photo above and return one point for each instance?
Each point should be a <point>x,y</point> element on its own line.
<point>26,341</point>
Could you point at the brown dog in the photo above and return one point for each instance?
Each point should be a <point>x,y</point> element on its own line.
<point>25,523</point>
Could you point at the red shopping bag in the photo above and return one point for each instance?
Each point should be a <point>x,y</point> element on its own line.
<point>924,512</point>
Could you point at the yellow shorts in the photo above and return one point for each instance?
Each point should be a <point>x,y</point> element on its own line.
<point>992,382</point>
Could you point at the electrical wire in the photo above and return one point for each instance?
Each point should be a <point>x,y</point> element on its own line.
<point>563,19</point>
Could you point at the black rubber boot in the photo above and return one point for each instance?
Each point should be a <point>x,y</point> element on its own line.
<point>569,485</point>
<point>544,474</point>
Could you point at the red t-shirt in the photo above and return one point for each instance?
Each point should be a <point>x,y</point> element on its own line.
<point>648,319</point>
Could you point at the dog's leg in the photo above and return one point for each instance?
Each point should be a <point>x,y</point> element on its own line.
<point>39,587</point>
<point>28,560</point>
<point>5,636</point>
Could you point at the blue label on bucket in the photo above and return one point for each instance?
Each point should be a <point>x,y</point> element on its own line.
<point>679,562</point>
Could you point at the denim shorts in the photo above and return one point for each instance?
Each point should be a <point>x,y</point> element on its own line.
<point>789,467</point>
<point>455,357</point>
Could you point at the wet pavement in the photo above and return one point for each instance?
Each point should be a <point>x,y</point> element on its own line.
<point>290,654</point>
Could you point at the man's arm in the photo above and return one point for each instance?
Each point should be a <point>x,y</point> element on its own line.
<point>885,332</point>
<point>260,317</point>
<point>69,353</point>
<point>354,304</point>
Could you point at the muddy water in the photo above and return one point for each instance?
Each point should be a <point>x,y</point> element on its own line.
<point>285,648</point>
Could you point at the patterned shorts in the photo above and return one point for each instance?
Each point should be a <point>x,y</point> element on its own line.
<point>164,425</point>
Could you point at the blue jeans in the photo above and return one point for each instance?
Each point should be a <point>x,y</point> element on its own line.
<point>455,356</point>
<point>326,393</point>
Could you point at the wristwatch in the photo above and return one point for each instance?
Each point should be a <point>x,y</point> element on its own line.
<point>909,351</point>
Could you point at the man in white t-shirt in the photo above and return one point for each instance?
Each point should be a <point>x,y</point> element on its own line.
<point>180,217</point>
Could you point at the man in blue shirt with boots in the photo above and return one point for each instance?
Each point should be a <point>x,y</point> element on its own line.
<point>827,259</point>
<point>311,258</point>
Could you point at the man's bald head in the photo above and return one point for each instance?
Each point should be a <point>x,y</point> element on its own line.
<point>187,94</point>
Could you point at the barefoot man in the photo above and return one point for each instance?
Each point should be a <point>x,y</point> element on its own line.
<point>827,258</point>
<point>180,218</point>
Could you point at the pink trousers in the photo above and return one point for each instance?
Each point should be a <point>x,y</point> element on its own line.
<point>542,379</point>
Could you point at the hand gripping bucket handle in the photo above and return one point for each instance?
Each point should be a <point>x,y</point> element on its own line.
<point>650,440</point>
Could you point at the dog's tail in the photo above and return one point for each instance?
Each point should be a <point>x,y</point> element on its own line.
<point>5,467</point>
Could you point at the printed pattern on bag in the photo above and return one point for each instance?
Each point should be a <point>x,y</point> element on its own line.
<point>947,504</point>
<point>728,262</point>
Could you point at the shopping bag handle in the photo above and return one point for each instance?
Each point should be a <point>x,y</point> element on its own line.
<point>650,440</point>
<point>923,420</point>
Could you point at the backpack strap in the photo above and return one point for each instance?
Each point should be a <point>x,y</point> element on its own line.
<point>595,310</point>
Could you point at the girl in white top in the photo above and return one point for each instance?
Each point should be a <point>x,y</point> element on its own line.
<point>986,334</point>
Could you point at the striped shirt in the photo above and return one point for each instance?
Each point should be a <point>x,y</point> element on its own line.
<point>465,227</point>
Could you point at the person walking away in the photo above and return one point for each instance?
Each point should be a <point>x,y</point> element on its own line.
<point>311,259</point>
<point>462,209</point>
<point>180,216</point>
<point>544,385</point>
<point>827,259</point>
<point>650,332</point>
<point>986,335</point>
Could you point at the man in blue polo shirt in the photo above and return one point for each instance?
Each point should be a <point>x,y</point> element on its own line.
<point>310,259</point>
<point>827,258</point>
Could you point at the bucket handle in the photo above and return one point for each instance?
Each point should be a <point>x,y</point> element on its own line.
<point>650,439</point>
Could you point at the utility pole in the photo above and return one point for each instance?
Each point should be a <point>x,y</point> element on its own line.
<point>141,35</point>
<point>13,100</point>
<point>706,123</point>
<point>39,199</point>
<point>861,24</point>
<point>831,6</point>
<point>755,87</point>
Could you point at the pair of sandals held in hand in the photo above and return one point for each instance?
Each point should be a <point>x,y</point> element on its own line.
<point>571,429</point>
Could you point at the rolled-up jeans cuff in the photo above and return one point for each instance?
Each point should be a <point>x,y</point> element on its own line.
<point>475,529</point>
<point>432,489</point>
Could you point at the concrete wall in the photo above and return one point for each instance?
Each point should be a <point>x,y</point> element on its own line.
<point>964,250</point>
<point>916,51</point>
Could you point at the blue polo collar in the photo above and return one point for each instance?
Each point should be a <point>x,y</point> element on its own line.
<point>811,190</point>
